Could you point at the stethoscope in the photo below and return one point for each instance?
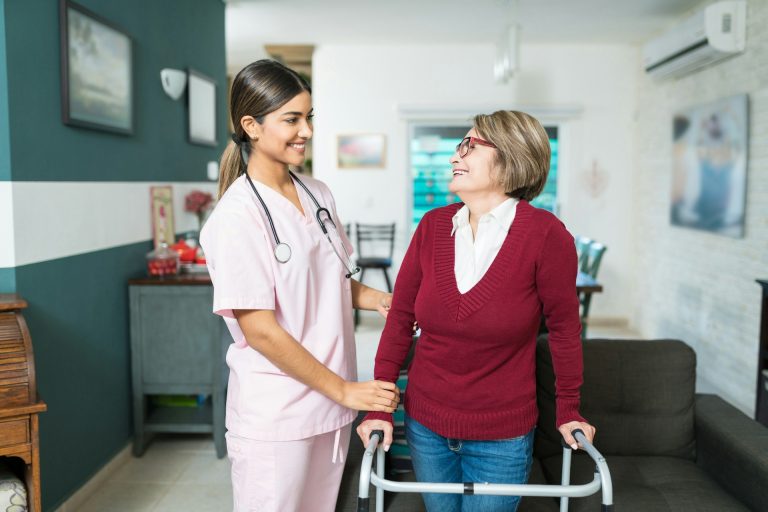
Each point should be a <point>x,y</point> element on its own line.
<point>283,250</point>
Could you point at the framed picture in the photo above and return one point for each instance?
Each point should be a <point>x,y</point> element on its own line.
<point>161,200</point>
<point>709,166</point>
<point>202,109</point>
<point>362,151</point>
<point>96,71</point>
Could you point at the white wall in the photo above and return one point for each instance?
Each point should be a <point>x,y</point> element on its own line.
<point>694,285</point>
<point>360,89</point>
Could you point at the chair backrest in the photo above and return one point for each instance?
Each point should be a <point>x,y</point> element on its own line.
<point>639,394</point>
<point>372,237</point>
<point>593,259</point>
<point>582,250</point>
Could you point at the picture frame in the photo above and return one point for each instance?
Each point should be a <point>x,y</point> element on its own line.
<point>710,144</point>
<point>161,202</point>
<point>201,100</point>
<point>362,151</point>
<point>96,71</point>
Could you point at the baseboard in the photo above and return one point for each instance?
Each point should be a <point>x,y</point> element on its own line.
<point>608,321</point>
<point>75,502</point>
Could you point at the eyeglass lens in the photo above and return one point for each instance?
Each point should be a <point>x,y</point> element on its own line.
<point>463,147</point>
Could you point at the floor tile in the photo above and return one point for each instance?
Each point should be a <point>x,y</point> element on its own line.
<point>155,466</point>
<point>196,498</point>
<point>125,497</point>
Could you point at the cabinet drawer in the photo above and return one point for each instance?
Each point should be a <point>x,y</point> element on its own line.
<point>14,432</point>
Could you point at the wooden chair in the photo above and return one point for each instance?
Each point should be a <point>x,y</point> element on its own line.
<point>19,403</point>
<point>371,238</point>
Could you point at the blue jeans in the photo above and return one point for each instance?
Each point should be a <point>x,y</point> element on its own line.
<point>440,459</point>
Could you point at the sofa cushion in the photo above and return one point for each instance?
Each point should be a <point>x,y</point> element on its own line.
<point>642,484</point>
<point>639,394</point>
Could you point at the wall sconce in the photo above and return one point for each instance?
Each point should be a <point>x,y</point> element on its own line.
<point>174,81</point>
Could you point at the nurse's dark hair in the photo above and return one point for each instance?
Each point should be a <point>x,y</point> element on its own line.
<point>258,89</point>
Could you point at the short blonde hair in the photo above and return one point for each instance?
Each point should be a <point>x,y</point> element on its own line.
<point>523,153</point>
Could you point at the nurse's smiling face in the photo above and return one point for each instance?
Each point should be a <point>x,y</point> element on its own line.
<point>283,134</point>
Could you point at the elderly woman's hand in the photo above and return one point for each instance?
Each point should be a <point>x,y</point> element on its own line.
<point>566,429</point>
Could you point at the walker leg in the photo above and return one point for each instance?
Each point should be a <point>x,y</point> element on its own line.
<point>380,472</point>
<point>566,477</point>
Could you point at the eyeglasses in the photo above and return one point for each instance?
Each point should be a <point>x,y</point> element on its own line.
<point>467,143</point>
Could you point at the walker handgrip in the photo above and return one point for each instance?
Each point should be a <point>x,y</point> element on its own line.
<point>573,433</point>
<point>362,504</point>
<point>379,433</point>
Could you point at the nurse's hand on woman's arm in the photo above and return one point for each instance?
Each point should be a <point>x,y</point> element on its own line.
<point>365,428</point>
<point>264,334</point>
<point>371,395</point>
<point>370,299</point>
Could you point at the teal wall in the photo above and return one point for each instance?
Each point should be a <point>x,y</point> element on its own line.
<point>169,33</point>
<point>78,312</point>
<point>78,319</point>
<point>7,280</point>
<point>5,149</point>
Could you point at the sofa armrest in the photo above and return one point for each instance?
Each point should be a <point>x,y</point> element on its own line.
<point>733,449</point>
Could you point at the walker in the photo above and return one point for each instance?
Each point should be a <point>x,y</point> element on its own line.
<point>565,491</point>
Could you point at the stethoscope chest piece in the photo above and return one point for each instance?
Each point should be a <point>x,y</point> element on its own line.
<point>282,252</point>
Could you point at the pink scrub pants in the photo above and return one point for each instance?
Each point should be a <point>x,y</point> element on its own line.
<point>288,476</point>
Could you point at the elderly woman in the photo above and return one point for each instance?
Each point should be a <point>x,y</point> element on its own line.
<point>477,277</point>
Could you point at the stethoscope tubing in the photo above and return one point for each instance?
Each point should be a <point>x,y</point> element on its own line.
<point>283,250</point>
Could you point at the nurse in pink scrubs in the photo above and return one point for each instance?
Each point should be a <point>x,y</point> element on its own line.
<point>279,261</point>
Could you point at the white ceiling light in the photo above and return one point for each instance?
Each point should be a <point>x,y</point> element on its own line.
<point>507,55</point>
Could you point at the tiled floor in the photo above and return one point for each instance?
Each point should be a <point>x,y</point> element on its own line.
<point>182,473</point>
<point>176,474</point>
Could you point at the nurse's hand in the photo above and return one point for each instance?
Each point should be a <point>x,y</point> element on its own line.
<point>384,303</point>
<point>365,428</point>
<point>372,395</point>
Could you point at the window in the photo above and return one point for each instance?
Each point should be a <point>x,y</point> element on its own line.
<point>431,148</point>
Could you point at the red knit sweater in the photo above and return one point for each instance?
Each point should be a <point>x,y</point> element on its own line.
<point>473,372</point>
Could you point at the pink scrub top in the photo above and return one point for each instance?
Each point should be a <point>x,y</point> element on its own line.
<point>311,298</point>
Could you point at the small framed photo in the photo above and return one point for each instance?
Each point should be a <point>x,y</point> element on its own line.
<point>363,151</point>
<point>202,109</point>
<point>161,200</point>
<point>96,71</point>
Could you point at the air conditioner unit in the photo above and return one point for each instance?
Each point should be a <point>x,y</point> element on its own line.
<point>713,33</point>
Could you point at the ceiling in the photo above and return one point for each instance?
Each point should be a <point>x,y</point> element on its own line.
<point>256,22</point>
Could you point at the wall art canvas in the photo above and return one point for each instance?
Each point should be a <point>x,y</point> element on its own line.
<point>709,166</point>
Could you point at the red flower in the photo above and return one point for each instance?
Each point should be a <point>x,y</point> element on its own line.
<point>198,201</point>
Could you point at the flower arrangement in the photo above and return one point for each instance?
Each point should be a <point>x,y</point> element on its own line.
<point>199,203</point>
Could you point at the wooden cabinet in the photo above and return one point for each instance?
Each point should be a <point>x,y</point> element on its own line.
<point>19,404</point>
<point>178,346</point>
<point>761,409</point>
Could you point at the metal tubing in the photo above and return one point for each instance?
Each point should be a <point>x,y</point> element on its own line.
<point>566,476</point>
<point>552,491</point>
<point>380,473</point>
<point>602,468</point>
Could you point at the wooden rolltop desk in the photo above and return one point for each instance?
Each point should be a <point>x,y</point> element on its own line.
<point>19,404</point>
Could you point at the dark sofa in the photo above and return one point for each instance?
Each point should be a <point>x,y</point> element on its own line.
<point>668,449</point>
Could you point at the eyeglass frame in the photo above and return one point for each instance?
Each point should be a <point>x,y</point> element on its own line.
<point>472,142</point>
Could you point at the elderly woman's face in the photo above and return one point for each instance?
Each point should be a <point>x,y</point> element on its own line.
<point>473,173</point>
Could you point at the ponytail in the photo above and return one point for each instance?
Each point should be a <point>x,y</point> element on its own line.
<point>231,166</point>
<point>258,89</point>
